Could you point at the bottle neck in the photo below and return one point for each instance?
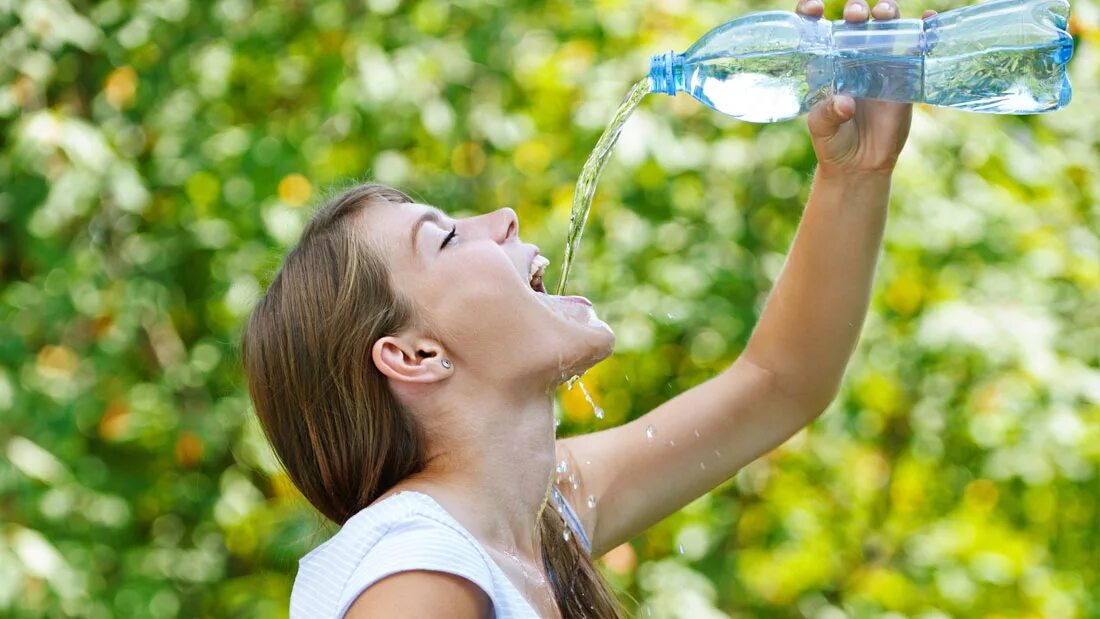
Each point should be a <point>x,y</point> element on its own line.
<point>666,73</point>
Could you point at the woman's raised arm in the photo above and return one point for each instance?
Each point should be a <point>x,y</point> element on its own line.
<point>791,369</point>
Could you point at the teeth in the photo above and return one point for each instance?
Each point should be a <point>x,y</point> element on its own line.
<point>537,268</point>
<point>538,264</point>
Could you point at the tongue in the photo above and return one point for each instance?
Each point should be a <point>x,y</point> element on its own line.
<point>576,299</point>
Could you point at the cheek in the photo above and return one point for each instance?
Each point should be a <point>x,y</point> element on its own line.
<point>480,294</point>
<point>485,277</point>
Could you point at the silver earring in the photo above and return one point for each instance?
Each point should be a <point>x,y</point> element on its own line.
<point>446,364</point>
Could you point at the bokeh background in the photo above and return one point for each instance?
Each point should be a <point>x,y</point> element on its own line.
<point>159,157</point>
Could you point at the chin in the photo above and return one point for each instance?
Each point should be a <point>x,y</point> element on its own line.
<point>595,346</point>
<point>577,333</point>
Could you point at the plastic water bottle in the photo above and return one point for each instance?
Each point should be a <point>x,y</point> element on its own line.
<point>1001,57</point>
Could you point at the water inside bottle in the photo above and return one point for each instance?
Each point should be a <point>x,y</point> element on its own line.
<point>758,88</point>
<point>1010,80</point>
<point>771,87</point>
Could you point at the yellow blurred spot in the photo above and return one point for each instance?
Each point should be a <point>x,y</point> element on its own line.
<point>650,174</point>
<point>907,487</point>
<point>202,189</point>
<point>24,91</point>
<point>988,398</point>
<point>871,471</point>
<point>684,107</point>
<point>1040,504</point>
<point>115,421</point>
<point>241,541</point>
<point>885,587</point>
<point>1041,237</point>
<point>120,87</point>
<point>531,157</point>
<point>879,392</point>
<point>904,295</point>
<point>100,325</point>
<point>1086,271</point>
<point>295,190</point>
<point>754,522</point>
<point>283,486</point>
<point>981,494</point>
<point>468,159</point>
<point>561,200</point>
<point>57,361</point>
<point>189,449</point>
<point>1087,31</point>
<point>621,559</point>
<point>579,50</point>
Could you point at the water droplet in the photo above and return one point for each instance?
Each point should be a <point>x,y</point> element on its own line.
<point>671,443</point>
<point>703,466</point>
<point>595,408</point>
<point>717,453</point>
<point>591,502</point>
<point>671,316</point>
<point>680,547</point>
<point>557,422</point>
<point>562,467</point>
<point>588,462</point>
<point>565,535</point>
<point>650,432</point>
<point>572,381</point>
<point>648,611</point>
<point>696,432</point>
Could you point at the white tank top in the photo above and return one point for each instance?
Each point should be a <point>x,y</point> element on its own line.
<point>405,531</point>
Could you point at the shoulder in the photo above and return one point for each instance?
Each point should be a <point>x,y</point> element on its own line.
<point>421,594</point>
<point>404,533</point>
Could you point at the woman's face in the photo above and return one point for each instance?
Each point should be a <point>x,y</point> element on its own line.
<point>474,288</point>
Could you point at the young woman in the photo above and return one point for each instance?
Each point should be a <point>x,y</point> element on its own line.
<point>402,364</point>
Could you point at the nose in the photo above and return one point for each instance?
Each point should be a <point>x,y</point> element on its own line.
<point>507,225</point>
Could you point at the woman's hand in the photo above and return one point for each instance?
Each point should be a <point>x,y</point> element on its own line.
<point>864,136</point>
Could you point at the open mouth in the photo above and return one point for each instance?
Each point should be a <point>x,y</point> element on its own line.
<point>537,270</point>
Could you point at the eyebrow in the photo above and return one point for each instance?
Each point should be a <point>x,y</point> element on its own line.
<point>433,215</point>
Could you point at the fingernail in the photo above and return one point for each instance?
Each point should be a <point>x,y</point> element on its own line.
<point>890,8</point>
<point>859,11</point>
<point>812,5</point>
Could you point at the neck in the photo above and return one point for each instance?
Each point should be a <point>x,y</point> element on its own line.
<point>491,456</point>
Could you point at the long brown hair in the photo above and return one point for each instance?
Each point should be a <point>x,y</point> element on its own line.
<point>341,434</point>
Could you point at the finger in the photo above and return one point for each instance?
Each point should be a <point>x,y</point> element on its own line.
<point>828,115</point>
<point>811,8</point>
<point>928,13</point>
<point>856,11</point>
<point>885,9</point>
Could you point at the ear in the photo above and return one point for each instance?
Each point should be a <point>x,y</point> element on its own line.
<point>409,360</point>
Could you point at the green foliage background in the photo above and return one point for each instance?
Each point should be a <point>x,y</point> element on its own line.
<point>159,157</point>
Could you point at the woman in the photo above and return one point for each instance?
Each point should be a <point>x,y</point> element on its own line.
<point>402,365</point>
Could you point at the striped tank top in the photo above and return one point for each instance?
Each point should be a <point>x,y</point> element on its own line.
<point>405,531</point>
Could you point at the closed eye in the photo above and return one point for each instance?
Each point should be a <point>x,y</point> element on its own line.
<point>450,236</point>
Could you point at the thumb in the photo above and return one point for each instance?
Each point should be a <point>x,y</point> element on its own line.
<point>828,115</point>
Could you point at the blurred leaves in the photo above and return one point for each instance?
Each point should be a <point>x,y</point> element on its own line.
<point>159,158</point>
